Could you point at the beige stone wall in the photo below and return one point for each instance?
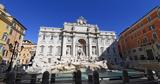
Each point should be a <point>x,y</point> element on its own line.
<point>15,32</point>
<point>27,52</point>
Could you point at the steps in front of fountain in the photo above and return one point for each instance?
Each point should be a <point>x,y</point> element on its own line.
<point>108,75</point>
<point>68,71</point>
<point>69,76</point>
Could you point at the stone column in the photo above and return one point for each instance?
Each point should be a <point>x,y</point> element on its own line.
<point>98,52</point>
<point>53,52</point>
<point>64,45</point>
<point>89,47</point>
<point>73,46</point>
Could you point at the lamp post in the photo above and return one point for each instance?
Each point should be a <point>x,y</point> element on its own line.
<point>13,54</point>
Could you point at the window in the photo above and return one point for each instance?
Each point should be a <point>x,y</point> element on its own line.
<point>51,37</point>
<point>134,50</point>
<point>8,26</point>
<point>4,37</point>
<point>141,25</point>
<point>42,48</point>
<point>140,49</point>
<point>145,40</point>
<point>94,50</point>
<point>150,54</point>
<point>129,51</point>
<point>20,37</point>
<point>149,18</point>
<point>44,36</point>
<point>130,58</point>
<point>142,57</point>
<point>68,51</point>
<point>50,49</point>
<point>59,39</point>
<point>69,39</point>
<point>135,57</point>
<point>58,53</point>
<point>10,32</point>
<point>94,40</point>
<point>8,41</point>
<point>49,60</point>
<point>154,35</point>
<point>152,27</point>
<point>102,49</point>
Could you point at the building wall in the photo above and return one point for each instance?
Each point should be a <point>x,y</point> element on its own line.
<point>111,54</point>
<point>76,42</point>
<point>144,35</point>
<point>14,32</point>
<point>3,30</point>
<point>27,52</point>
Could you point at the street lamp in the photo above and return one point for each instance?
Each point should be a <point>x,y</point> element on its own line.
<point>13,53</point>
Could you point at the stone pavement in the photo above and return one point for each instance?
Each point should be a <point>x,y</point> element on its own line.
<point>132,81</point>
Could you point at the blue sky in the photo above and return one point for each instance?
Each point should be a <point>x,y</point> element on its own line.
<point>114,15</point>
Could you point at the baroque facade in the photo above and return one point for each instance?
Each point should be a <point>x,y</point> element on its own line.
<point>11,34</point>
<point>75,42</point>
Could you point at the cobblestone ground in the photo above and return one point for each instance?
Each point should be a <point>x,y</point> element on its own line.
<point>132,81</point>
<point>136,81</point>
